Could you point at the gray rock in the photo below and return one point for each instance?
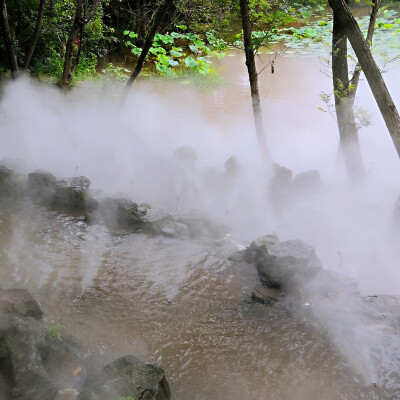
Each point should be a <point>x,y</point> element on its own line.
<point>68,195</point>
<point>280,188</point>
<point>283,264</point>
<point>72,194</point>
<point>307,184</point>
<point>200,225</point>
<point>265,295</point>
<point>32,365</point>
<point>127,376</point>
<point>19,302</point>
<point>238,256</point>
<point>5,174</point>
<point>121,213</point>
<point>250,254</point>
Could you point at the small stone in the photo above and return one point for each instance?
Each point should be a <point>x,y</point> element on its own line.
<point>77,371</point>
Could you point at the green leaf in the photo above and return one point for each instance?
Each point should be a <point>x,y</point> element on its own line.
<point>193,48</point>
<point>136,51</point>
<point>133,35</point>
<point>190,62</point>
<point>176,53</point>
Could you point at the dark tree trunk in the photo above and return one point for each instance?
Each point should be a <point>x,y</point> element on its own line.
<point>8,42</point>
<point>349,143</point>
<point>377,84</point>
<point>79,22</point>
<point>32,46</point>
<point>371,28</point>
<point>253,78</point>
<point>157,20</point>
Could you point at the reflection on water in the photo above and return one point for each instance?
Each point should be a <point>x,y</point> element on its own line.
<point>179,304</point>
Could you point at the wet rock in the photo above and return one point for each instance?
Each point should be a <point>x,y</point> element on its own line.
<point>238,256</point>
<point>307,184</point>
<point>283,264</point>
<point>8,182</point>
<point>19,302</point>
<point>127,376</point>
<point>69,194</point>
<point>73,194</point>
<point>36,364</point>
<point>41,182</point>
<point>33,366</point>
<point>200,225</point>
<point>5,174</point>
<point>265,295</point>
<point>251,253</point>
<point>280,188</point>
<point>159,222</point>
<point>121,213</point>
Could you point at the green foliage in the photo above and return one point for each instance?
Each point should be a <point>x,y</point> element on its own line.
<point>55,332</point>
<point>126,398</point>
<point>191,53</point>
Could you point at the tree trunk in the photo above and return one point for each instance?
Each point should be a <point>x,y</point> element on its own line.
<point>377,84</point>
<point>77,26</point>
<point>8,42</point>
<point>31,49</point>
<point>376,5</point>
<point>253,78</point>
<point>158,18</point>
<point>349,143</point>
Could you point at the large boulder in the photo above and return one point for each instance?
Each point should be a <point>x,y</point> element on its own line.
<point>68,194</point>
<point>283,264</point>
<point>307,185</point>
<point>127,376</point>
<point>19,302</point>
<point>121,213</point>
<point>73,194</point>
<point>9,182</point>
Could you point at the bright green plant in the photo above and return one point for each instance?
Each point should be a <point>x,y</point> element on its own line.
<point>181,49</point>
<point>55,332</point>
<point>126,398</point>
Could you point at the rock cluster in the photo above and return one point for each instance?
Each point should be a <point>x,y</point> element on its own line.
<point>73,195</point>
<point>36,364</point>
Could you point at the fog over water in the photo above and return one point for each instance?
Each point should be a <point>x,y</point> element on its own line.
<point>181,304</point>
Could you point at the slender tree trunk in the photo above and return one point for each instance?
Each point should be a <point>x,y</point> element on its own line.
<point>8,42</point>
<point>79,22</point>
<point>32,46</point>
<point>158,18</point>
<point>69,48</point>
<point>349,143</point>
<point>377,84</point>
<point>253,78</point>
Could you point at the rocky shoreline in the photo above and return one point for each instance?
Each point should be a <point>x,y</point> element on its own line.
<point>36,363</point>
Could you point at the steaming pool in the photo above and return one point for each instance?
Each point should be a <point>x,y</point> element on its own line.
<point>180,303</point>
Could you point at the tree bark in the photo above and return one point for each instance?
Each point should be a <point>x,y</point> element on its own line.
<point>370,34</point>
<point>377,84</point>
<point>349,143</point>
<point>8,42</point>
<point>77,26</point>
<point>158,18</point>
<point>253,78</point>
<point>32,46</point>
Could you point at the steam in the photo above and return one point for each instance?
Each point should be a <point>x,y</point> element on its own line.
<point>169,147</point>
